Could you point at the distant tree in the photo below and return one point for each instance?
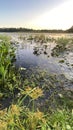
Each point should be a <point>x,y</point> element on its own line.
<point>70,30</point>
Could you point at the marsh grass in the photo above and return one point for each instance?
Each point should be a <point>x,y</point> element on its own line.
<point>62,46</point>
<point>19,116</point>
<point>39,38</point>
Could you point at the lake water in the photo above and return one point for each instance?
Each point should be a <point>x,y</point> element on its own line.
<point>27,57</point>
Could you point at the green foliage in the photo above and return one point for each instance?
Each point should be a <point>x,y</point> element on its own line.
<point>61,61</point>
<point>20,116</point>
<point>61,120</point>
<point>30,38</point>
<point>60,47</point>
<point>40,38</point>
<point>7,75</point>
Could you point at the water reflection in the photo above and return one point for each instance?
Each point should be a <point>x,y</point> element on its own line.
<point>31,54</point>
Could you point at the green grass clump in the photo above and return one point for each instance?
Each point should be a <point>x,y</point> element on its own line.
<point>60,47</point>
<point>18,117</point>
<point>61,61</point>
<point>7,71</point>
<point>30,38</point>
<point>40,38</point>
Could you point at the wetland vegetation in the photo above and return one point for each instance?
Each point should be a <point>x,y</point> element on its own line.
<point>36,82</point>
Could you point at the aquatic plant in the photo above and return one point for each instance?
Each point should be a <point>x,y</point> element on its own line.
<point>30,38</point>
<point>40,38</point>
<point>60,47</point>
<point>7,71</point>
<point>61,61</point>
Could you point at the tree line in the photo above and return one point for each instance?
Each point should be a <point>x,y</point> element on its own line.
<point>70,30</point>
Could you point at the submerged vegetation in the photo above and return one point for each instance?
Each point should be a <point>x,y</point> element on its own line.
<point>23,113</point>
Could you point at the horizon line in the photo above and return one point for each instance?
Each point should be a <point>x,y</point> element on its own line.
<point>33,28</point>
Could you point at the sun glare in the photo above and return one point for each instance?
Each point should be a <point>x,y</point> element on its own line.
<point>58,18</point>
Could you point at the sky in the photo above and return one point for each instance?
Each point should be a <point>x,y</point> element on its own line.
<point>36,14</point>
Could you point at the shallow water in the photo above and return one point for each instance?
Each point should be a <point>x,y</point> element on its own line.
<point>27,58</point>
<point>34,62</point>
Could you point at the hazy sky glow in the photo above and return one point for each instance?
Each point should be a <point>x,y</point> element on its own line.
<point>37,14</point>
